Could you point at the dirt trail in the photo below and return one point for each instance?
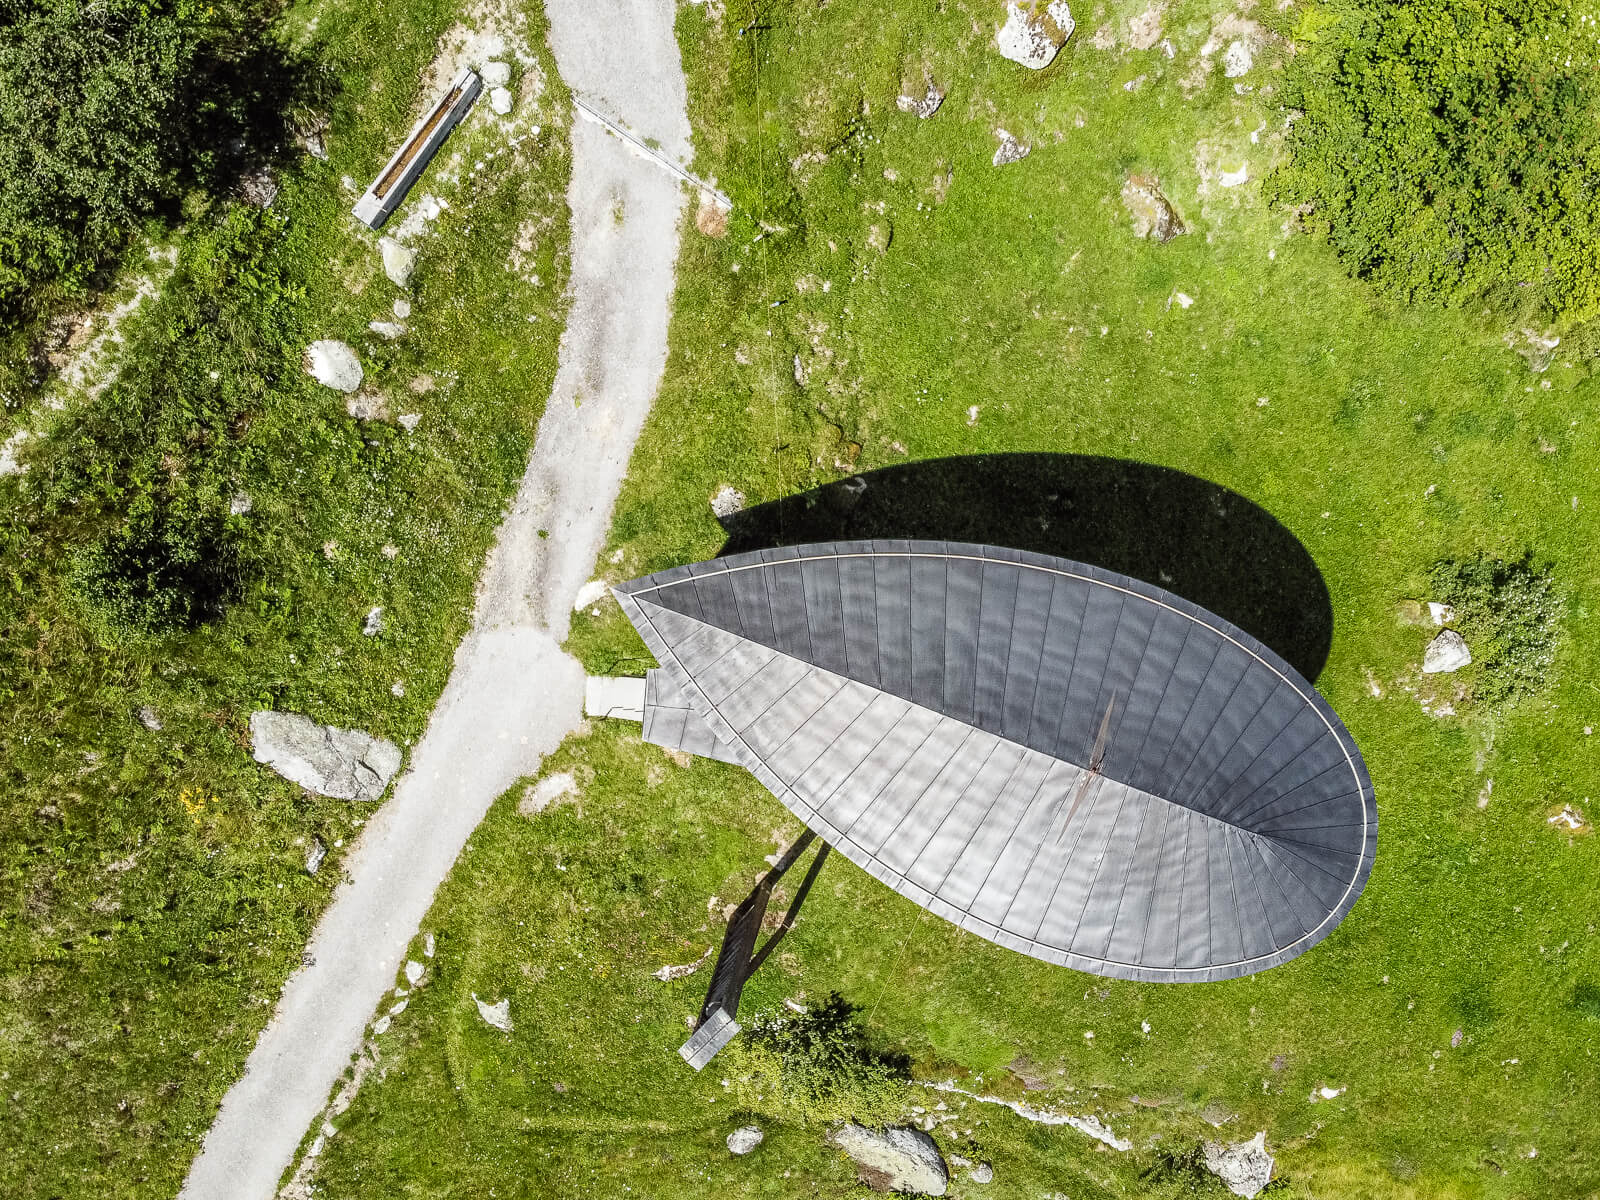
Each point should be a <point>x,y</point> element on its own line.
<point>513,694</point>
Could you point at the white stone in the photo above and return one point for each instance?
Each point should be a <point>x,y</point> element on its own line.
<point>373,625</point>
<point>982,1173</point>
<point>381,1025</point>
<point>546,792</point>
<point>1033,38</point>
<point>925,107</point>
<point>744,1139</point>
<point>386,329</point>
<point>500,100</point>
<point>1234,178</point>
<point>1245,1167</point>
<point>592,592</point>
<point>1236,59</point>
<point>402,307</point>
<point>315,855</point>
<point>1440,614</point>
<point>727,501</point>
<point>671,972</point>
<point>906,1158</point>
<point>414,969</point>
<point>497,1015</point>
<point>150,719</point>
<point>345,764</point>
<point>427,945</point>
<point>334,365</point>
<point>398,261</point>
<point>1182,300</point>
<point>8,453</point>
<point>496,74</point>
<point>1447,652</point>
<point>409,421</point>
<point>240,505</point>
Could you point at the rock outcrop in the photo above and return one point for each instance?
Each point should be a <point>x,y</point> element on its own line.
<point>899,1159</point>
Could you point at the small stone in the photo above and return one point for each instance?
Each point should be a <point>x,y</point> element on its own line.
<point>389,550</point>
<point>497,1015</point>
<point>409,421</point>
<point>744,1139</point>
<point>1440,614</point>
<point>334,365</point>
<point>1152,213</point>
<point>398,1007</point>
<point>149,718</point>
<point>9,463</point>
<point>388,330</point>
<point>1236,59</point>
<point>397,689</point>
<point>496,73</point>
<point>427,945</point>
<point>1010,150</point>
<point>315,855</point>
<point>1456,1039</point>
<point>1033,38</point>
<point>982,1173</point>
<point>925,107</point>
<point>1447,652</point>
<point>373,625</point>
<point>413,972</point>
<point>398,261</point>
<point>1181,299</point>
<point>381,1025</point>
<point>500,100</point>
<point>258,187</point>
<point>1233,178</point>
<point>367,406</point>
<point>240,505</point>
<point>401,307</point>
<point>726,502</point>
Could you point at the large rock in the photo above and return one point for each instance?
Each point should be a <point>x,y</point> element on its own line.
<point>1033,37</point>
<point>398,261</point>
<point>1152,213</point>
<point>333,364</point>
<point>1245,1167</point>
<point>346,764</point>
<point>1447,652</point>
<point>899,1159</point>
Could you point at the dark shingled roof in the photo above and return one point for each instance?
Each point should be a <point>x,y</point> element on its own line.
<point>1069,762</point>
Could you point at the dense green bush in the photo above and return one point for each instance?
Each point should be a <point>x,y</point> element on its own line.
<point>110,109</point>
<point>1450,149</point>
<point>817,1068</point>
<point>1510,613</point>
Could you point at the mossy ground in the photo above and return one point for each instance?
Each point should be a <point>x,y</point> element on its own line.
<point>885,295</point>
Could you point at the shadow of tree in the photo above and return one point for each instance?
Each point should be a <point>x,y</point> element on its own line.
<point>1195,538</point>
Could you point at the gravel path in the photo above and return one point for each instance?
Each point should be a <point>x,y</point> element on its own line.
<point>513,694</point>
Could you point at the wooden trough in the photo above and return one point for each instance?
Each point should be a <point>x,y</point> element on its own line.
<point>408,163</point>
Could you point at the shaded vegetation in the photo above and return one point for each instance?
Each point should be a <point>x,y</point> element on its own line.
<point>1511,614</point>
<point>816,1067</point>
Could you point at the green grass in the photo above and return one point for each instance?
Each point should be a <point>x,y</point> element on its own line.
<point>154,891</point>
<point>1391,439</point>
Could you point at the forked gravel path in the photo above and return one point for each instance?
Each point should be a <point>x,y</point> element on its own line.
<point>513,694</point>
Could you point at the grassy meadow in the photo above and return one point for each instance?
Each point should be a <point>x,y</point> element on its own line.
<point>156,893</point>
<point>883,295</point>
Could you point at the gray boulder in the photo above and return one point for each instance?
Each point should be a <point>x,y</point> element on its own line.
<point>925,107</point>
<point>1245,1167</point>
<point>744,1139</point>
<point>899,1159</point>
<point>1034,32</point>
<point>345,764</point>
<point>1447,652</point>
<point>333,364</point>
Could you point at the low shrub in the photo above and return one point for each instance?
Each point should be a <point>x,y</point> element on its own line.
<point>817,1068</point>
<point>1510,614</point>
<point>1450,151</point>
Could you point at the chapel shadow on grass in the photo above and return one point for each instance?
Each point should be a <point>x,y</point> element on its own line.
<point>1193,537</point>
